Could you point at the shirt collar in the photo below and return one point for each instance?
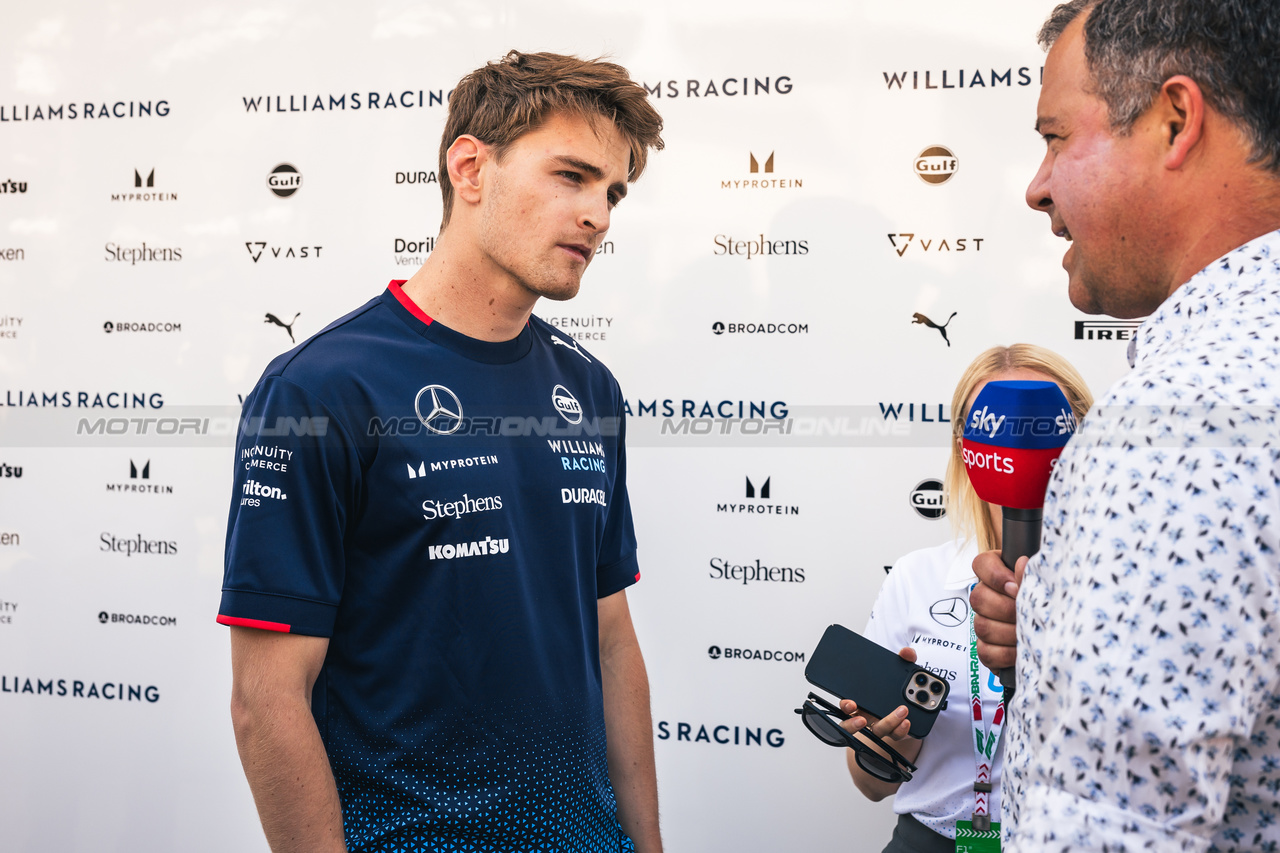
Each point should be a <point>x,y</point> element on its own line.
<point>1187,308</point>
<point>960,572</point>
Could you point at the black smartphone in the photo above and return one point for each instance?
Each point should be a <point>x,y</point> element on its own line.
<point>852,667</point>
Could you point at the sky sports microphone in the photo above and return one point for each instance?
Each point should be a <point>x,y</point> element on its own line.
<point>1015,433</point>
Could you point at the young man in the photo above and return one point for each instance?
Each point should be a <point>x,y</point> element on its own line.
<point>430,537</point>
<point>1148,626</point>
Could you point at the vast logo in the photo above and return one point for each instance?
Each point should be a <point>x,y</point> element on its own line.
<point>284,180</point>
<point>141,183</point>
<point>904,240</point>
<point>936,165</point>
<point>919,318</point>
<point>566,404</point>
<point>123,326</point>
<point>288,327</point>
<point>444,409</point>
<point>258,248</point>
<point>1107,330</point>
<point>927,499</point>
<point>976,78</point>
<point>950,612</point>
<point>722,734</point>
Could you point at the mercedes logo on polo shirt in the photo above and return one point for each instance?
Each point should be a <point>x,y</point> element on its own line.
<point>950,612</point>
<point>566,404</point>
<point>444,409</point>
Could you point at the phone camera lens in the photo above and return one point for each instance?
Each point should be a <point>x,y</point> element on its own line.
<point>935,688</point>
<point>921,679</point>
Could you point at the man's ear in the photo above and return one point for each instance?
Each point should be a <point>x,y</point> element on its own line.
<point>1182,114</point>
<point>465,157</point>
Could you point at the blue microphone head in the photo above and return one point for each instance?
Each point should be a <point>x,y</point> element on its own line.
<point>1013,436</point>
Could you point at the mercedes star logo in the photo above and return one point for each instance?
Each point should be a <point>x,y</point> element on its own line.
<point>444,417</point>
<point>950,612</point>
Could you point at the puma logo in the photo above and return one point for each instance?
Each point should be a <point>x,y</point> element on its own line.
<point>288,327</point>
<point>942,330</point>
<point>555,339</point>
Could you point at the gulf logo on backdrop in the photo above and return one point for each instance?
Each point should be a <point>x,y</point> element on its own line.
<point>1015,432</point>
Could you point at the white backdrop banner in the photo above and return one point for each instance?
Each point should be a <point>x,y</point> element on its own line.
<point>788,297</point>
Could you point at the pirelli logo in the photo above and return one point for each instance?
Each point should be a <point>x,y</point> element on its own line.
<point>1107,330</point>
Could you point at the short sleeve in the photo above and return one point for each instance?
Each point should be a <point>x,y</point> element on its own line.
<point>296,480</point>
<point>617,567</point>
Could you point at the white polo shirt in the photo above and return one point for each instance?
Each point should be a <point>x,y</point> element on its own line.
<point>924,604</point>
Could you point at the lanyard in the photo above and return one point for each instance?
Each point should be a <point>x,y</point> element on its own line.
<point>984,738</point>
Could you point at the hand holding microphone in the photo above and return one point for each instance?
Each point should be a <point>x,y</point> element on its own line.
<point>1012,439</point>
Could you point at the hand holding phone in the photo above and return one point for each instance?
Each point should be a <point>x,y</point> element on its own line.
<point>852,667</point>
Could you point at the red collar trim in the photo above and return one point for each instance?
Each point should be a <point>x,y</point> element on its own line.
<point>409,304</point>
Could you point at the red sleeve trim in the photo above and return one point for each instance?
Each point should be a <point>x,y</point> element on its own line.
<point>637,576</point>
<point>253,623</point>
<point>409,304</point>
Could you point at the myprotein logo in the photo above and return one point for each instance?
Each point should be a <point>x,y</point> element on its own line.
<point>719,328</point>
<point>141,620</point>
<point>142,254</point>
<point>284,180</point>
<point>943,79</point>
<point>128,326</point>
<point>566,404</point>
<point>725,87</point>
<point>418,178</point>
<point>723,734</point>
<point>904,240</point>
<point>758,247</point>
<point>259,249</point>
<point>936,165</point>
<point>758,501</point>
<point>764,655</point>
<point>927,499</point>
<point>137,546</point>
<point>756,572</point>
<point>9,327</point>
<point>410,252</point>
<point>438,409</point>
<point>1107,330</point>
<point>456,509</point>
<point>144,189</point>
<point>761,177</point>
<point>140,482</point>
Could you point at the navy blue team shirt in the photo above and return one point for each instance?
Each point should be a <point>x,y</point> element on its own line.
<point>447,512</point>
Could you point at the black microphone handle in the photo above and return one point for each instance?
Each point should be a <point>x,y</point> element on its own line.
<point>1019,537</point>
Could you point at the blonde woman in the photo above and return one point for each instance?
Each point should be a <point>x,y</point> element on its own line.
<point>923,610</point>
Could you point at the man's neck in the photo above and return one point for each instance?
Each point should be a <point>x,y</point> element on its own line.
<point>1233,212</point>
<point>469,294</point>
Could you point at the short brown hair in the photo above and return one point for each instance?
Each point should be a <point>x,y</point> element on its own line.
<point>501,101</point>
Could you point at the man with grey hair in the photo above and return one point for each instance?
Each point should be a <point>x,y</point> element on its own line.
<point>1146,632</point>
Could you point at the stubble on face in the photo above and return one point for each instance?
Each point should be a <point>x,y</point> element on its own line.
<point>532,214</point>
<point>1097,187</point>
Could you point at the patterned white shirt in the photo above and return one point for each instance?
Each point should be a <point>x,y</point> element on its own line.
<point>1147,716</point>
